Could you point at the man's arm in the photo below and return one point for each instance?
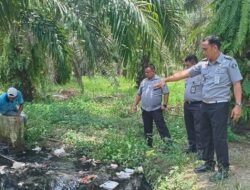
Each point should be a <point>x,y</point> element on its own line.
<point>175,77</point>
<point>178,76</point>
<point>236,111</point>
<point>20,109</point>
<point>136,102</point>
<point>165,101</point>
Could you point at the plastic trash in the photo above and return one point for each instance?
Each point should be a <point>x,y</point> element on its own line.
<point>37,149</point>
<point>123,175</point>
<point>114,166</point>
<point>18,165</point>
<point>20,184</point>
<point>59,152</point>
<point>109,185</point>
<point>2,169</point>
<point>129,171</point>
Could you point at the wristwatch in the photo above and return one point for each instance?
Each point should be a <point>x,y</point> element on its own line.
<point>238,104</point>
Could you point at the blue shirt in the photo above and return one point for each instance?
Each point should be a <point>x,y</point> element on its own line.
<point>6,105</point>
<point>151,97</point>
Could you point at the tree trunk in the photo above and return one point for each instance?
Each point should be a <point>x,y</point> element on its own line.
<point>142,65</point>
<point>26,87</point>
<point>78,75</point>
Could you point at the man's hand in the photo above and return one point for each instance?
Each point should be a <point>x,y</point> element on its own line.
<point>163,107</point>
<point>236,113</point>
<point>134,108</point>
<point>160,84</point>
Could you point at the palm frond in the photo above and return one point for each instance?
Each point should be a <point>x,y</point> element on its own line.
<point>233,19</point>
<point>243,31</point>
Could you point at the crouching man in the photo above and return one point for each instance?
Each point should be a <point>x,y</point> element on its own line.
<point>11,103</point>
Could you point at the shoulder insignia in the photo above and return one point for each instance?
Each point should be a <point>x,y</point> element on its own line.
<point>233,65</point>
<point>228,57</point>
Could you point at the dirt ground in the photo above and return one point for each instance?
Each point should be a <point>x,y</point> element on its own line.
<point>239,178</point>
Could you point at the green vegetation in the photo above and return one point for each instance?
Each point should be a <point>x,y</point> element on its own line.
<point>100,125</point>
<point>48,40</point>
<point>46,43</point>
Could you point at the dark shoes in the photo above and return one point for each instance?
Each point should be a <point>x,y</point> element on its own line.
<point>207,167</point>
<point>149,141</point>
<point>220,175</point>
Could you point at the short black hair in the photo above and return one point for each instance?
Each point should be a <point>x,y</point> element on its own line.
<point>191,58</point>
<point>151,66</point>
<point>213,40</point>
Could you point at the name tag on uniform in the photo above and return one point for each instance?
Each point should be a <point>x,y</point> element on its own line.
<point>193,90</point>
<point>217,79</point>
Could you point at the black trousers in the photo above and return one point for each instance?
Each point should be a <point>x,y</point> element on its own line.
<point>214,132</point>
<point>156,116</point>
<point>192,117</point>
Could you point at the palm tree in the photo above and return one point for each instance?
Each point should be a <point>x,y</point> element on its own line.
<point>29,36</point>
<point>51,33</point>
<point>198,15</point>
<point>234,25</point>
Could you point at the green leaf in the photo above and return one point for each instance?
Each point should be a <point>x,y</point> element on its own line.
<point>246,87</point>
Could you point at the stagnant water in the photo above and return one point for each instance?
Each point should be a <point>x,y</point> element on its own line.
<point>44,171</point>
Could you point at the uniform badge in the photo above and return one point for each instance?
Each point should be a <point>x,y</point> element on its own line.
<point>216,79</point>
<point>234,65</point>
<point>193,90</point>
